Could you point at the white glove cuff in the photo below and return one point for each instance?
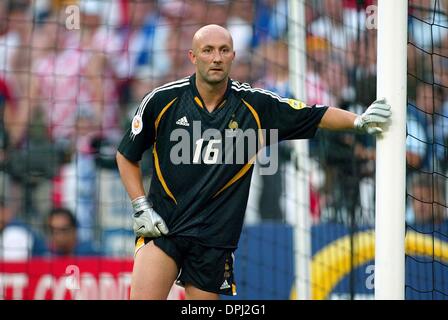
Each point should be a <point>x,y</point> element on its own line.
<point>140,204</point>
<point>358,123</point>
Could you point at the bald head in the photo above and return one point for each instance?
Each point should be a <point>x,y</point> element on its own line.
<point>212,54</point>
<point>209,33</point>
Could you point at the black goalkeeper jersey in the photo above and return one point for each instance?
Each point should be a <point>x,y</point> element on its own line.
<point>195,188</point>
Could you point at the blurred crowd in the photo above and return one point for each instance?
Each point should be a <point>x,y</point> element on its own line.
<point>73,72</point>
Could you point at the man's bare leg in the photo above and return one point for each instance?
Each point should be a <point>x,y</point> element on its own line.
<point>153,275</point>
<point>193,293</point>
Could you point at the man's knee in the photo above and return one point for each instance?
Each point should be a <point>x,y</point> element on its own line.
<point>153,275</point>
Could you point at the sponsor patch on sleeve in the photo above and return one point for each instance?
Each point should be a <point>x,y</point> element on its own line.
<point>137,125</point>
<point>296,104</point>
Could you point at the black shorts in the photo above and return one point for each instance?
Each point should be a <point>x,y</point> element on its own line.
<point>206,268</point>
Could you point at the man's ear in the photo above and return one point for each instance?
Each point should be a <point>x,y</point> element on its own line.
<point>192,56</point>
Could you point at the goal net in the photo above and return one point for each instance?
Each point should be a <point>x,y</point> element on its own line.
<point>426,218</point>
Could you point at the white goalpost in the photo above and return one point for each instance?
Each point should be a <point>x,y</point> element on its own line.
<point>302,226</point>
<point>391,152</point>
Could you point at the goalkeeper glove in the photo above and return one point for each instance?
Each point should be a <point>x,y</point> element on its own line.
<point>147,222</point>
<point>369,122</point>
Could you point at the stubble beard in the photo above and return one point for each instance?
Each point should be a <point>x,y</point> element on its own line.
<point>214,80</point>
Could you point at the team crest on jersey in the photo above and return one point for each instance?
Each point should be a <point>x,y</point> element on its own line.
<point>296,104</point>
<point>137,125</point>
<point>233,125</point>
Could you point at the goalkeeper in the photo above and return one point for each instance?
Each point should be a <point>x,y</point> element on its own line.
<point>188,226</point>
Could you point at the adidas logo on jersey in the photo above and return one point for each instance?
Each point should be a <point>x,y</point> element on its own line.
<point>183,122</point>
<point>225,285</point>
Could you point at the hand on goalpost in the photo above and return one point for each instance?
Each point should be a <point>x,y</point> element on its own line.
<point>370,121</point>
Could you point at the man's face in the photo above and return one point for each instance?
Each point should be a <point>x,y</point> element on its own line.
<point>63,234</point>
<point>212,54</point>
<point>422,204</point>
<point>5,216</point>
<point>427,99</point>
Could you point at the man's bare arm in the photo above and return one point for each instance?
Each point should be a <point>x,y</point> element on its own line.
<point>338,119</point>
<point>131,176</point>
<point>371,121</point>
<point>147,222</point>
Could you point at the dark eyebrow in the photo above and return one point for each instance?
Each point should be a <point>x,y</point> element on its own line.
<point>221,47</point>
